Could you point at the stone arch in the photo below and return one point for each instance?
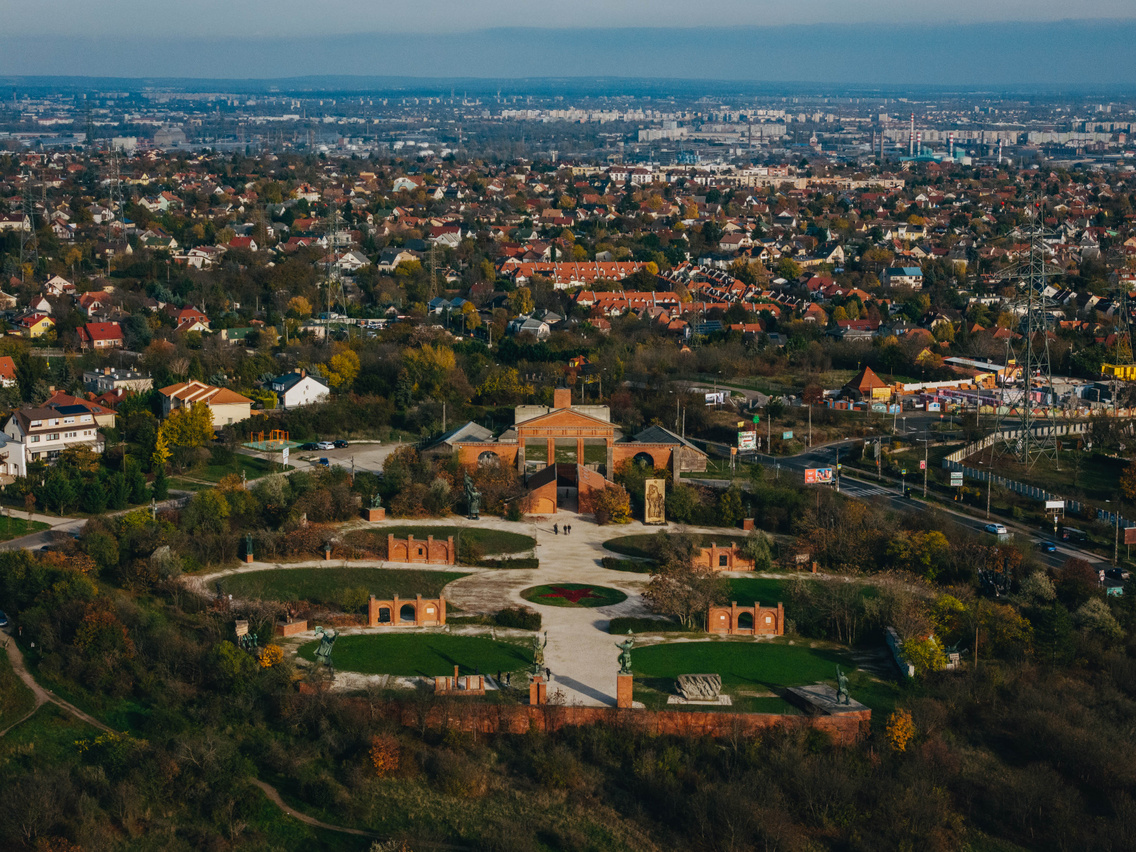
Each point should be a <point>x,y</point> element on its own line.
<point>745,621</point>
<point>488,459</point>
<point>408,612</point>
<point>644,460</point>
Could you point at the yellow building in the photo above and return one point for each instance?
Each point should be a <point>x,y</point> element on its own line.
<point>35,325</point>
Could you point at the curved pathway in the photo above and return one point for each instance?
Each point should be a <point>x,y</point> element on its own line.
<point>42,695</point>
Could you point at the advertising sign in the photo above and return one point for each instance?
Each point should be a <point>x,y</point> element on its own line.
<point>715,397</point>
<point>1130,535</point>
<point>922,464</point>
<point>1054,504</point>
<point>787,436</point>
<point>818,475</point>
<point>747,441</point>
<point>956,478</point>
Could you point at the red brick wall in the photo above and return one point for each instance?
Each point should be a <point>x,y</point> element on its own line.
<point>709,557</point>
<point>845,728</point>
<point>426,551</point>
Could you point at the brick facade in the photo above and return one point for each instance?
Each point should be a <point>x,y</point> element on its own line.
<point>722,558</point>
<point>429,552</point>
<point>420,612</point>
<point>756,620</point>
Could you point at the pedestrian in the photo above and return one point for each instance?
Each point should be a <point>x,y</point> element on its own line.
<point>498,677</point>
<point>548,674</point>
<point>556,529</point>
<point>569,529</point>
<point>508,678</point>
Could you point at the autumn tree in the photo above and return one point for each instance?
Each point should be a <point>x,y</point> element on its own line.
<point>679,588</point>
<point>342,369</point>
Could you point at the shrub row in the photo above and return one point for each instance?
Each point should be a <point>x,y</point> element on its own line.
<point>518,617</point>
<point>636,566</point>
<point>625,624</point>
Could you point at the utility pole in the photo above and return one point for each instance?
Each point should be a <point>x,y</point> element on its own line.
<point>926,451</point>
<point>810,424</point>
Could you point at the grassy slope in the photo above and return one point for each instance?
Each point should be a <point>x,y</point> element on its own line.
<point>15,699</point>
<point>422,655</point>
<point>323,585</point>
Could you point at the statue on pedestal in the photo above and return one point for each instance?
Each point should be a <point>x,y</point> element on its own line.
<point>472,498</point>
<point>248,546</point>
<point>625,653</point>
<point>842,696</point>
<point>538,654</point>
<point>376,501</point>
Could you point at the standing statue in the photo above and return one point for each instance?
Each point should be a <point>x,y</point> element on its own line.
<point>377,501</point>
<point>625,653</point>
<point>842,696</point>
<point>323,652</point>
<point>472,498</point>
<point>538,654</point>
<point>248,545</point>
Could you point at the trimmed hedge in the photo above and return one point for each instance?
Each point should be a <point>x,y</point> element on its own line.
<point>625,623</point>
<point>518,617</point>
<point>636,566</point>
<point>527,562</point>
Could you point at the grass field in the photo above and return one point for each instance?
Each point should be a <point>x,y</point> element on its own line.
<point>325,585</point>
<point>639,545</point>
<point>573,594</point>
<point>16,700</point>
<point>747,591</point>
<point>423,655</point>
<point>253,468</point>
<point>754,666</point>
<point>489,542</point>
<point>1077,474</point>
<point>13,527</point>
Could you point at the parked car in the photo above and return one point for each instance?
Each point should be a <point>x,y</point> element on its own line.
<point>310,445</point>
<point>996,529</point>
<point>1116,573</point>
<point>340,444</point>
<point>325,445</point>
<point>324,462</point>
<point>1047,547</point>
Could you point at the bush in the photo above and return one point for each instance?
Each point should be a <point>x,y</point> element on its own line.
<point>529,563</point>
<point>625,623</point>
<point>635,566</point>
<point>519,618</point>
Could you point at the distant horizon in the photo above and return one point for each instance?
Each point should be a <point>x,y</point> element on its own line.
<point>1089,54</point>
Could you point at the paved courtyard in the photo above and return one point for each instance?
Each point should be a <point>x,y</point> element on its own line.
<point>581,653</point>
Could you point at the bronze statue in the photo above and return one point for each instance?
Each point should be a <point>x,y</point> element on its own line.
<point>248,545</point>
<point>472,498</point>
<point>376,501</point>
<point>323,652</point>
<point>625,653</point>
<point>842,696</point>
<point>538,653</point>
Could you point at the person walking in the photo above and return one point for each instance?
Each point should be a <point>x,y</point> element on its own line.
<point>556,529</point>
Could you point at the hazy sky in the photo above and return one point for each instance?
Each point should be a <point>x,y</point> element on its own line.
<point>299,17</point>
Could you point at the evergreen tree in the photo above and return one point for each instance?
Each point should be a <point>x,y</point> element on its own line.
<point>160,487</point>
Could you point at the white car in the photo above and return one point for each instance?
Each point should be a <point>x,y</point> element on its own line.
<point>325,445</point>
<point>997,529</point>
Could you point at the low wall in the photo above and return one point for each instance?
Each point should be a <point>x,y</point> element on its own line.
<point>417,551</point>
<point>844,728</point>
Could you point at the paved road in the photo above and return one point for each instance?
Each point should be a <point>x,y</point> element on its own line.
<point>864,486</point>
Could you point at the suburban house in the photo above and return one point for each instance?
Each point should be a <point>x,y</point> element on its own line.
<point>103,416</point>
<point>7,371</point>
<point>227,406</point>
<point>100,335</point>
<point>109,379</point>
<point>903,276</point>
<point>35,325</point>
<point>294,389</point>
<point>41,434</point>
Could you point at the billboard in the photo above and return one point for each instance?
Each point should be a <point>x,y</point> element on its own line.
<point>818,475</point>
<point>747,441</point>
<point>1054,504</point>
<point>1130,535</point>
<point>715,398</point>
<point>786,436</point>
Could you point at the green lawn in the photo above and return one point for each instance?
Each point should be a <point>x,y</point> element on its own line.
<point>573,594</point>
<point>749,590</point>
<point>45,739</point>
<point>748,665</point>
<point>15,526</point>
<point>1082,475</point>
<point>640,545</point>
<point>16,700</point>
<point>324,585</point>
<point>423,654</point>
<point>489,542</point>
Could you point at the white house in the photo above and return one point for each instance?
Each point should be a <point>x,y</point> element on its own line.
<point>293,389</point>
<point>41,434</point>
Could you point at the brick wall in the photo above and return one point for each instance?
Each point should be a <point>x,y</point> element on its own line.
<point>844,728</point>
<point>414,550</point>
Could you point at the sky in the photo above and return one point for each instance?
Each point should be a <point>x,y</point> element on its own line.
<point>276,18</point>
<point>971,43</point>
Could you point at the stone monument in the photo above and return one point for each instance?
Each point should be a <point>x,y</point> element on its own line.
<point>700,687</point>
<point>375,512</point>
<point>655,500</point>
